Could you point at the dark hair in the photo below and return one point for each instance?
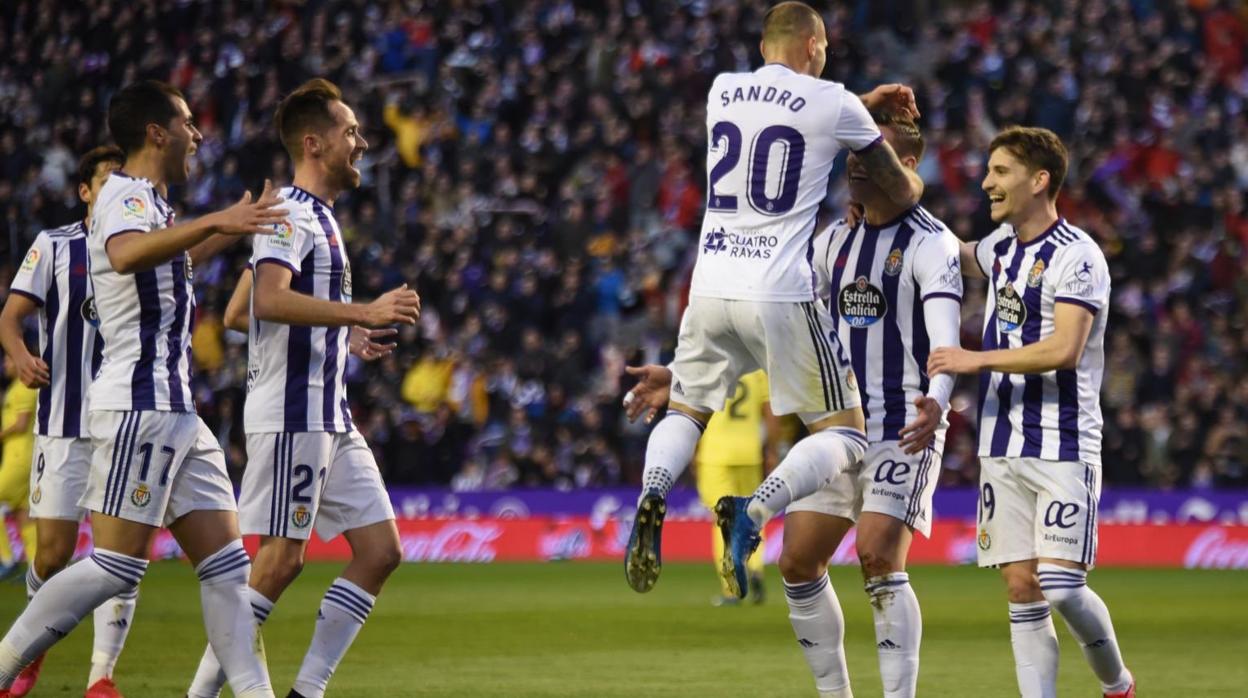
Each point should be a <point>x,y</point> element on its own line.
<point>137,105</point>
<point>908,139</point>
<point>305,109</point>
<point>1038,149</point>
<point>89,162</point>
<point>790,20</point>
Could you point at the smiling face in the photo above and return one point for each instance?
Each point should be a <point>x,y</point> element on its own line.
<point>1011,187</point>
<point>342,147</point>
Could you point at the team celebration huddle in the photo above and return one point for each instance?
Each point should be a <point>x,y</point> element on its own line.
<point>855,322</point>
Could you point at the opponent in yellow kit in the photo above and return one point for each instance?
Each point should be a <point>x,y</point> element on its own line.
<point>17,445</point>
<point>738,447</point>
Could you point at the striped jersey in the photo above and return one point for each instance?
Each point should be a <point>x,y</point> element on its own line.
<point>1054,415</point>
<point>295,374</point>
<point>145,317</point>
<point>55,275</point>
<point>876,280</point>
<point>773,136</point>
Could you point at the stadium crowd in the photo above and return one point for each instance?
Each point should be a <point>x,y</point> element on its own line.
<point>536,171</point>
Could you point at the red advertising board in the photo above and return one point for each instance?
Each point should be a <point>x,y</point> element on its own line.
<point>581,538</point>
<point>535,539</point>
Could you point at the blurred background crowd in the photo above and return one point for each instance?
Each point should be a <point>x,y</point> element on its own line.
<point>537,171</point>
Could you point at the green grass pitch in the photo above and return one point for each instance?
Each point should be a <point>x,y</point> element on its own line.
<point>576,629</point>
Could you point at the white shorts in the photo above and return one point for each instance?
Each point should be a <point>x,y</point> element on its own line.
<point>1031,508</point>
<point>155,467</point>
<point>795,343</point>
<point>886,481</point>
<point>296,479</point>
<point>58,477</point>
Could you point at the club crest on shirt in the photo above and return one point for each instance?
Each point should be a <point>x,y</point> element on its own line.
<point>892,265</point>
<point>301,517</point>
<point>32,259</point>
<point>861,304</point>
<point>134,208</point>
<point>89,314</point>
<point>346,277</point>
<point>1037,274</point>
<point>283,235</point>
<point>1011,310</point>
<point>141,496</point>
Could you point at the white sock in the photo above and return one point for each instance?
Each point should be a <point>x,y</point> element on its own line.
<point>1088,620</point>
<point>898,632</point>
<point>232,630</point>
<point>815,613</point>
<point>33,582</point>
<point>209,677</point>
<point>113,619</point>
<point>343,612</point>
<point>809,466</point>
<point>669,450</point>
<point>1035,649</point>
<point>60,605</point>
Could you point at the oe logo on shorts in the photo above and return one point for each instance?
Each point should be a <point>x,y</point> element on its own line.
<point>1061,514</point>
<point>893,472</point>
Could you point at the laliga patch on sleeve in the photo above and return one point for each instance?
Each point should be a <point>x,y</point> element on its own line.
<point>284,235</point>
<point>134,208</point>
<point>32,259</point>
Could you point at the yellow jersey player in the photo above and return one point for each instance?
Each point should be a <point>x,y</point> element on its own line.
<point>17,439</point>
<point>737,449</point>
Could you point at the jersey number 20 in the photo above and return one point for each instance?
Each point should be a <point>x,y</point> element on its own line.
<point>793,152</point>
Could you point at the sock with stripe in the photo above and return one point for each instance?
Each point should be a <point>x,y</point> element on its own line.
<point>209,677</point>
<point>62,602</point>
<point>898,632</point>
<point>33,582</point>
<point>113,619</point>
<point>1035,649</point>
<point>1087,617</point>
<point>807,467</point>
<point>815,613</point>
<point>669,450</point>
<point>343,612</point>
<point>228,619</point>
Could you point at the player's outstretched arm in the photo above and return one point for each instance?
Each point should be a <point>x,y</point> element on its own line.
<point>237,312</point>
<point>274,301</point>
<point>31,370</point>
<point>970,263</point>
<point>902,184</point>
<point>136,251</point>
<point>1061,350</point>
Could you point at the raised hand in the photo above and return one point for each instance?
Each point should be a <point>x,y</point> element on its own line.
<point>398,306</point>
<point>892,98</point>
<point>251,218</point>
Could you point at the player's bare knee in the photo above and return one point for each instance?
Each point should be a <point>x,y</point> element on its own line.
<point>276,567</point>
<point>876,563</point>
<point>1022,586</point>
<point>381,560</point>
<point>797,568</point>
<point>52,557</point>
